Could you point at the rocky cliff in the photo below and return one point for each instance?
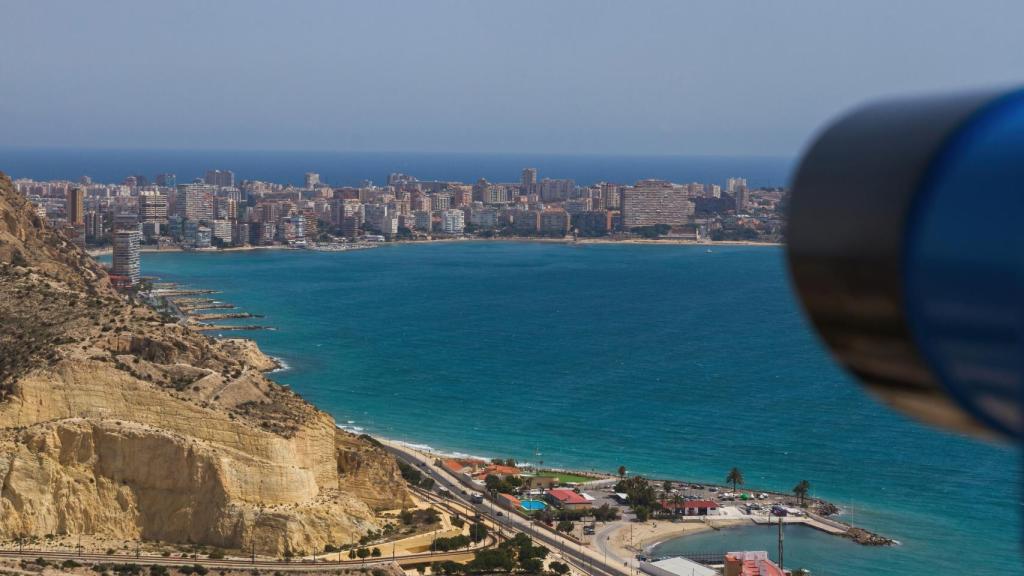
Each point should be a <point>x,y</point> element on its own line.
<point>121,423</point>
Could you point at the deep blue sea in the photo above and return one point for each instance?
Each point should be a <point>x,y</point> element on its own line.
<point>350,168</point>
<point>670,360</point>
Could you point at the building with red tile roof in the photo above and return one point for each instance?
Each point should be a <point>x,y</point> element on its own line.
<point>461,466</point>
<point>509,501</point>
<point>691,507</point>
<point>499,470</point>
<point>569,499</point>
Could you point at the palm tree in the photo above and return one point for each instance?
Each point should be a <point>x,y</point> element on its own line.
<point>622,471</point>
<point>677,503</point>
<point>735,476</point>
<point>801,490</point>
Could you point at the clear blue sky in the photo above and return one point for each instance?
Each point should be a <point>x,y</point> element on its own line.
<point>678,77</point>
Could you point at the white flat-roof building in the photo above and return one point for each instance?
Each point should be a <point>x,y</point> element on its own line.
<point>676,566</point>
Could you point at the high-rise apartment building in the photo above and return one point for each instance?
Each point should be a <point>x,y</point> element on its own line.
<point>152,207</point>
<point>312,179</point>
<point>424,220</point>
<point>127,240</point>
<point>94,226</point>
<point>552,190</point>
<point>651,202</point>
<point>554,222</point>
<point>220,178</point>
<point>195,201</point>
<point>75,207</point>
<point>166,179</point>
<point>742,197</point>
<point>453,221</point>
<point>611,196</point>
<point>528,180</point>
<point>732,183</point>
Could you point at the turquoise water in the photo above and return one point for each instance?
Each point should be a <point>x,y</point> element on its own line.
<point>533,505</point>
<point>669,360</point>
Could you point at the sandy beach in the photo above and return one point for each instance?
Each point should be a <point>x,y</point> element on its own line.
<point>631,538</point>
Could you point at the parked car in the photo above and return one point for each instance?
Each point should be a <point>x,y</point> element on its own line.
<point>779,511</point>
<point>712,489</point>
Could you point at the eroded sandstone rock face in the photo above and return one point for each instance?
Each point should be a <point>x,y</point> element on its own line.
<point>115,421</point>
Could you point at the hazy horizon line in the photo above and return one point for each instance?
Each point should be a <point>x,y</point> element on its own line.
<point>5,147</point>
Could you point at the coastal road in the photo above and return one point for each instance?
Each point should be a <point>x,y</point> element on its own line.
<point>583,559</point>
<point>233,563</point>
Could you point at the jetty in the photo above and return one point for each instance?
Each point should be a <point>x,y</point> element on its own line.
<point>229,327</point>
<point>186,303</point>
<point>174,292</point>
<point>223,316</point>
<point>210,306</point>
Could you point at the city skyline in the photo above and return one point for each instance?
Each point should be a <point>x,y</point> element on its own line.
<point>665,78</point>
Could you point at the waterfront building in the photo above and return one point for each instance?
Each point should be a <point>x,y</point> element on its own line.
<point>204,237</point>
<point>691,507</point>
<point>567,499</point>
<point>527,222</point>
<point>750,564</point>
<point>651,202</point>
<point>195,201</point>
<point>350,226</point>
<point>222,231</point>
<point>554,222</point>
<point>151,230</point>
<point>240,233</point>
<point>152,207</point>
<point>593,223</point>
<point>712,191</point>
<point>220,178</point>
<point>484,217</point>
<point>676,566</point>
<point>311,180</point>
<point>375,214</point>
<point>127,241</point>
<point>424,220</point>
<point>453,221</point>
<point>389,225</point>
